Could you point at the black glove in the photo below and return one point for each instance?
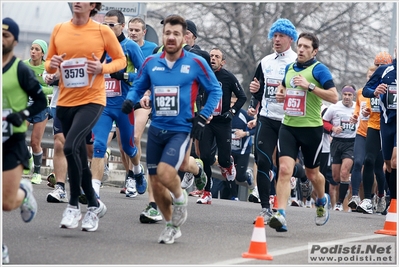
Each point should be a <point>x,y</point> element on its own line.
<point>118,75</point>
<point>16,118</point>
<point>137,106</point>
<point>227,115</point>
<point>199,123</point>
<point>127,106</point>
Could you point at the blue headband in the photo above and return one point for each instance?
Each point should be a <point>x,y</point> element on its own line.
<point>283,26</point>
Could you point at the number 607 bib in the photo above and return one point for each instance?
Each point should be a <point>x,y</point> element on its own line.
<point>74,72</point>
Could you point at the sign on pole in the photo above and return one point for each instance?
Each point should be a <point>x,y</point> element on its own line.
<point>132,9</point>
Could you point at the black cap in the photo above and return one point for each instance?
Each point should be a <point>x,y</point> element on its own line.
<point>191,27</point>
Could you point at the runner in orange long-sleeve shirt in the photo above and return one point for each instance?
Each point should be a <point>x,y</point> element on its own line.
<point>76,48</point>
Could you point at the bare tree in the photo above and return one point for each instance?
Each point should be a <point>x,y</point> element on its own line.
<point>350,34</point>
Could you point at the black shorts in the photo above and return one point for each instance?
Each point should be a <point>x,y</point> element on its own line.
<point>341,148</point>
<point>15,152</point>
<point>309,139</point>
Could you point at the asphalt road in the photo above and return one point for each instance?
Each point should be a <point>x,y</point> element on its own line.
<point>214,234</point>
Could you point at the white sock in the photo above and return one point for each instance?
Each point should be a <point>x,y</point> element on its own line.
<point>136,169</point>
<point>179,199</point>
<point>96,186</point>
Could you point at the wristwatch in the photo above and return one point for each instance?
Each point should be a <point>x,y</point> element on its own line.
<point>233,111</point>
<point>311,87</point>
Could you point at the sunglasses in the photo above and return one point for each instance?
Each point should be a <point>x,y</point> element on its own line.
<point>111,24</point>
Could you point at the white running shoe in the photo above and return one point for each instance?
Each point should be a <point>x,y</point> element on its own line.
<point>206,198</point>
<point>365,206</point>
<point>70,217</point>
<point>250,178</point>
<point>229,173</point>
<point>187,181</point>
<point>131,190</point>
<point>6,258</point>
<point>29,204</point>
<point>381,204</point>
<point>58,195</point>
<point>354,202</point>
<point>254,196</point>
<point>293,183</point>
<point>338,207</point>
<point>101,210</point>
<point>169,234</point>
<point>322,211</point>
<point>90,221</point>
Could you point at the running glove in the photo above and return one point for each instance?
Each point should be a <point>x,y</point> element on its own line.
<point>118,75</point>
<point>127,106</point>
<point>199,122</point>
<point>16,118</point>
<point>228,115</point>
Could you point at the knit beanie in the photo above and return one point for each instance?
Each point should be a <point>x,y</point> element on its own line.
<point>42,44</point>
<point>11,26</point>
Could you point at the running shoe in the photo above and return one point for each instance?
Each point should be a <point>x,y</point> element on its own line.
<point>196,193</point>
<point>306,189</point>
<point>381,204</point>
<point>322,210</point>
<point>271,175</point>
<point>293,183</point>
<point>101,210</point>
<point>90,220</point>
<point>206,198</point>
<point>105,173</point>
<point>277,221</point>
<point>51,181</point>
<point>36,178</point>
<point>229,173</point>
<point>6,258</point>
<point>338,207</point>
<point>295,202</point>
<point>365,206</point>
<point>169,234</point>
<point>254,195</point>
<point>29,204</point>
<point>201,181</point>
<point>131,190</point>
<point>58,195</point>
<point>266,214</point>
<point>179,215</point>
<point>354,202</point>
<point>70,217</point>
<point>250,178</point>
<point>150,215</point>
<point>141,181</point>
<point>187,181</point>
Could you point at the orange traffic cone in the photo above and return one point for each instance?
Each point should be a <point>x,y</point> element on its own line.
<point>258,246</point>
<point>391,220</point>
